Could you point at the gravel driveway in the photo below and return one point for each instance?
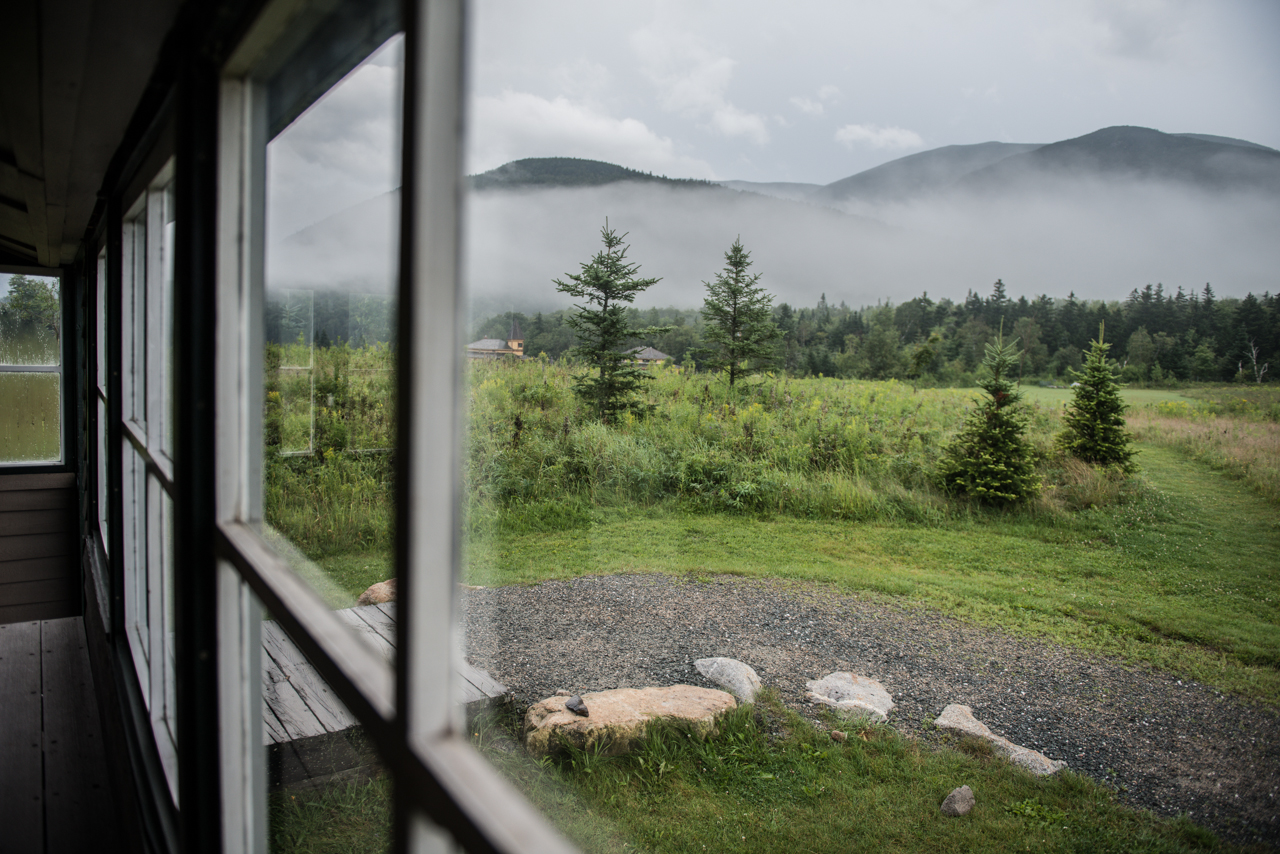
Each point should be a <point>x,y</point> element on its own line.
<point>1170,746</point>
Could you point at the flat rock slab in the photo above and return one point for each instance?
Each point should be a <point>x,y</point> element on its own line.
<point>740,680</point>
<point>617,718</point>
<point>852,695</point>
<point>960,720</point>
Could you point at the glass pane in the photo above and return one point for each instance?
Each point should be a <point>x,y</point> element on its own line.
<point>30,320</point>
<point>165,198</point>
<point>328,789</point>
<point>30,417</point>
<point>134,510</point>
<point>102,321</point>
<point>329,331</point>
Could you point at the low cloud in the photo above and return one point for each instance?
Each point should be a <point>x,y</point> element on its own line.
<point>879,137</point>
<point>515,125</point>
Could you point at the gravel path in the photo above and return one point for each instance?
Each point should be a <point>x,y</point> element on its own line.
<point>1169,746</point>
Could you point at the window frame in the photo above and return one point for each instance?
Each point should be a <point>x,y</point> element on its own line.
<point>66,390</point>
<point>411,714</point>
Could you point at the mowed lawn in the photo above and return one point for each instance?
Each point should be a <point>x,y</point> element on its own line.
<point>1186,577</point>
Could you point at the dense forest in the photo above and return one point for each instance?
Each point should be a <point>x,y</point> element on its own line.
<point>1157,337</point>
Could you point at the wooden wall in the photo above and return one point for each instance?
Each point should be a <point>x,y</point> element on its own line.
<point>39,548</point>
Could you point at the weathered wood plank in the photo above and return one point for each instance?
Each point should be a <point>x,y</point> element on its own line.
<point>62,589</point>
<point>379,620</point>
<point>39,611</point>
<point>313,690</point>
<point>295,717</point>
<point>272,732</point>
<point>78,807</point>
<point>36,569</point>
<point>21,783</point>
<point>368,632</point>
<point>57,480</point>
<point>17,522</point>
<point>485,683</point>
<point>24,546</point>
<point>36,499</point>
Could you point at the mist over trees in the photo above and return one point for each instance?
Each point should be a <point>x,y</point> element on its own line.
<point>1158,337</point>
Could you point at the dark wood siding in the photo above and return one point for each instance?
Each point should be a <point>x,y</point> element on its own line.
<point>39,547</point>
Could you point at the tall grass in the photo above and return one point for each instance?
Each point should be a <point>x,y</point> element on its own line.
<point>1234,433</point>
<point>815,448</point>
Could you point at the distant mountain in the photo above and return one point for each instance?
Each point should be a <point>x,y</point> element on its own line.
<point>1134,153</point>
<point>546,172</point>
<point>1225,140</point>
<point>920,174</point>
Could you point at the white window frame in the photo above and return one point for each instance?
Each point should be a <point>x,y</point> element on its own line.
<point>412,713</point>
<point>146,457</point>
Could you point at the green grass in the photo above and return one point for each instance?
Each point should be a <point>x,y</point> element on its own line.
<point>339,819</point>
<point>1183,575</point>
<point>1133,396</point>
<point>769,781</point>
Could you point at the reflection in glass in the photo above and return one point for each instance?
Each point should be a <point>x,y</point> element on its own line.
<point>328,330</point>
<point>30,417</point>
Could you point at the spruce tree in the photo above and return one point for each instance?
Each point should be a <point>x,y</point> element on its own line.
<point>739,315</point>
<point>991,459</point>
<point>607,283</point>
<point>1095,420</point>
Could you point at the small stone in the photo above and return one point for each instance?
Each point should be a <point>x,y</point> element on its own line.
<point>852,695</point>
<point>732,675</point>
<point>959,802</point>
<point>837,735</point>
<point>383,591</point>
<point>579,708</point>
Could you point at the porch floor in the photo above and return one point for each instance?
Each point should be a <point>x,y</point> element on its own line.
<point>54,794</point>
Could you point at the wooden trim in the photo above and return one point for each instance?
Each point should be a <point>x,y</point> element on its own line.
<point>40,545</point>
<point>42,521</point>
<point>37,499</point>
<point>39,611</point>
<point>65,588</point>
<point>35,569</point>
<point>53,480</point>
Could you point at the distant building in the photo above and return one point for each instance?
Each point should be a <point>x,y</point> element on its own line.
<point>649,356</point>
<point>493,348</point>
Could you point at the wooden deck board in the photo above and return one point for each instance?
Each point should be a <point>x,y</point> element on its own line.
<point>299,708</point>
<point>77,793</point>
<point>21,775</point>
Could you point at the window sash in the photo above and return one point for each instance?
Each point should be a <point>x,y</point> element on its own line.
<point>411,714</point>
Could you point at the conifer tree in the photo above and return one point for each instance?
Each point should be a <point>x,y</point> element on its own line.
<point>991,459</point>
<point>739,315</point>
<point>1095,420</point>
<point>607,283</point>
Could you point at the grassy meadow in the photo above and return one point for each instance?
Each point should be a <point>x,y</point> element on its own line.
<point>830,482</point>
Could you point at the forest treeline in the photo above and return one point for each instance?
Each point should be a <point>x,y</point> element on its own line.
<point>1157,337</point>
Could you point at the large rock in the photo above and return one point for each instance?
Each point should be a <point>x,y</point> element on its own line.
<point>960,720</point>
<point>732,675</point>
<point>383,591</point>
<point>852,695</point>
<point>617,719</point>
<point>959,802</point>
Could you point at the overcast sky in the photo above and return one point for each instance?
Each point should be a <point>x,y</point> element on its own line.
<point>810,92</point>
<point>816,91</point>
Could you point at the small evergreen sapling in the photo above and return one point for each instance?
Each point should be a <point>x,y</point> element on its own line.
<point>991,459</point>
<point>608,284</point>
<point>1095,420</point>
<point>739,315</point>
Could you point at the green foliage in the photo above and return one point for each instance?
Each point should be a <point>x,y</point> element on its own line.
<point>740,330</point>
<point>991,458</point>
<point>608,283</point>
<point>1095,428</point>
<point>30,321</point>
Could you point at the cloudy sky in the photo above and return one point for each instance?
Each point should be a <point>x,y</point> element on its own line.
<point>816,90</point>
<point>810,92</point>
